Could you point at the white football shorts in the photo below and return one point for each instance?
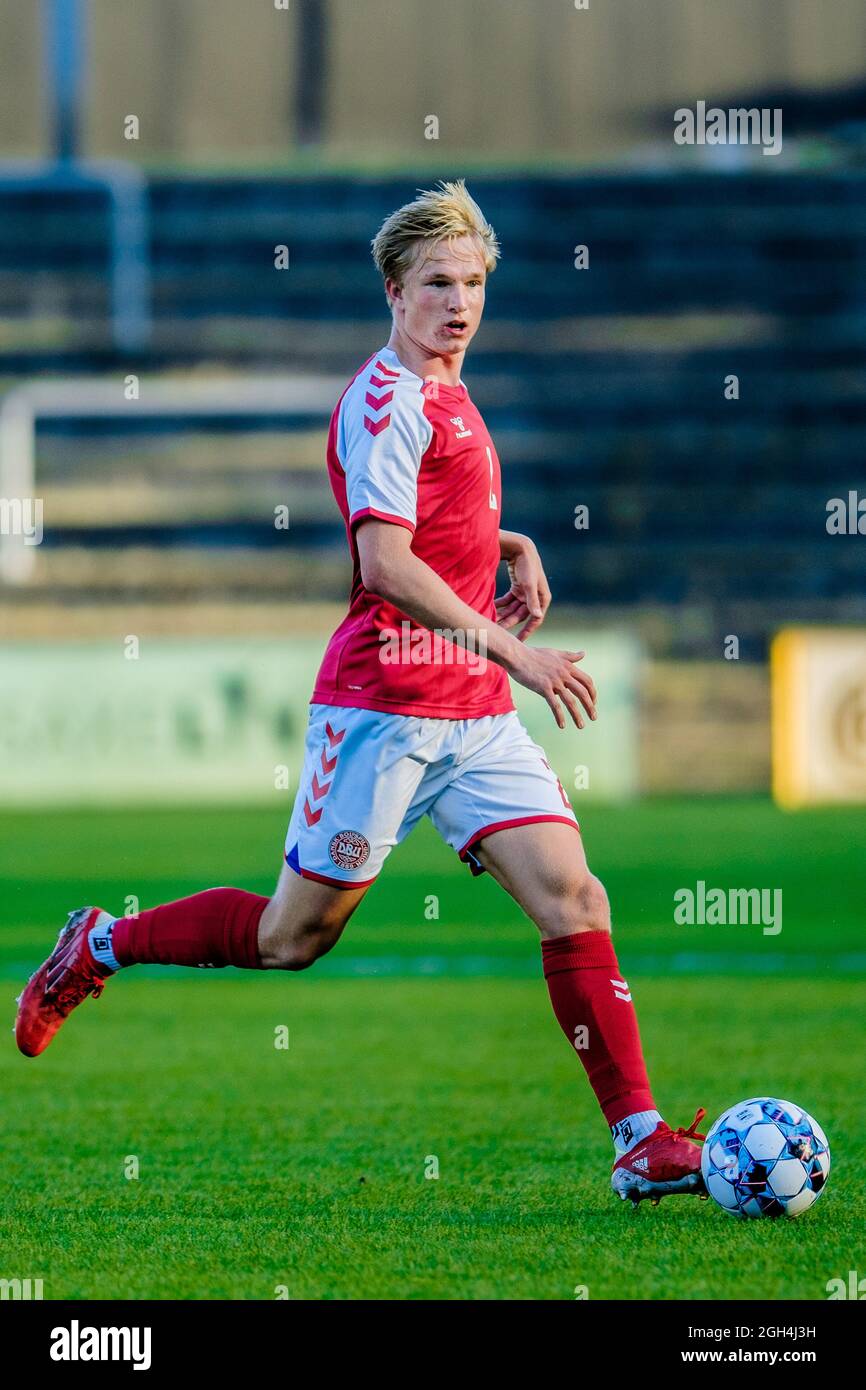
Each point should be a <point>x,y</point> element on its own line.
<point>368,778</point>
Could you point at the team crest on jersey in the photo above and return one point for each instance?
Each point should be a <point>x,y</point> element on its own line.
<point>462,431</point>
<point>349,849</point>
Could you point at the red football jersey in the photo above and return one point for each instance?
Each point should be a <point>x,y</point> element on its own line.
<point>417,454</point>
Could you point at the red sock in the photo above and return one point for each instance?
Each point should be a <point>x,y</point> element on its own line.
<point>582,976</point>
<point>217,927</point>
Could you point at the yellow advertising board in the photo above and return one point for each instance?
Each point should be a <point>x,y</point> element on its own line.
<point>818,680</point>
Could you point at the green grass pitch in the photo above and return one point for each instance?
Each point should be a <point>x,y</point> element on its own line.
<point>304,1168</point>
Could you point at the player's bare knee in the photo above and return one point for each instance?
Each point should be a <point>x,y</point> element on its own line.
<point>302,952</point>
<point>306,943</point>
<point>577,904</point>
<point>297,941</point>
<point>594,904</point>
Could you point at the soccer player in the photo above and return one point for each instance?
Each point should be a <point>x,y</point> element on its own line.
<point>412,714</point>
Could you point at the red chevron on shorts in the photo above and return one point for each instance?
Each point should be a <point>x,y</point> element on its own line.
<point>319,789</point>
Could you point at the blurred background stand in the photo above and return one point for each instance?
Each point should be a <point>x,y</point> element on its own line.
<point>122,185</point>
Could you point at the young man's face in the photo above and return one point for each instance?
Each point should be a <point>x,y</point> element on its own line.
<point>441,300</point>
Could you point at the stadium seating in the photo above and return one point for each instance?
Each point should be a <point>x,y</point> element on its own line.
<point>603,387</point>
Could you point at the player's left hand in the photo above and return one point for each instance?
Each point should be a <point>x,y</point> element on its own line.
<point>528,599</point>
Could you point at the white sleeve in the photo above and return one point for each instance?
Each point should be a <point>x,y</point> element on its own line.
<point>382,436</point>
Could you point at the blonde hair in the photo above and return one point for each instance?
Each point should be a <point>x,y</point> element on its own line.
<point>437,214</point>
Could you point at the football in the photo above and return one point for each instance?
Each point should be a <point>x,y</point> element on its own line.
<point>765,1157</point>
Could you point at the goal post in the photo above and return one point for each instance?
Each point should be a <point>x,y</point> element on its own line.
<point>97,398</point>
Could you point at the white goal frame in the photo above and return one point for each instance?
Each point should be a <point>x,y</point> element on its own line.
<point>100,398</point>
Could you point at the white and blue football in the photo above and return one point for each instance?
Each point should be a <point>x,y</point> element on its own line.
<point>765,1157</point>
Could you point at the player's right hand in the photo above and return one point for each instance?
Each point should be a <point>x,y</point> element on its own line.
<point>554,675</point>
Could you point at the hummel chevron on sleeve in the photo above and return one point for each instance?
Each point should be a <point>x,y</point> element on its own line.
<point>382,436</point>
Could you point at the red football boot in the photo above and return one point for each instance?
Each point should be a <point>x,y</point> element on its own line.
<point>68,976</point>
<point>668,1161</point>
